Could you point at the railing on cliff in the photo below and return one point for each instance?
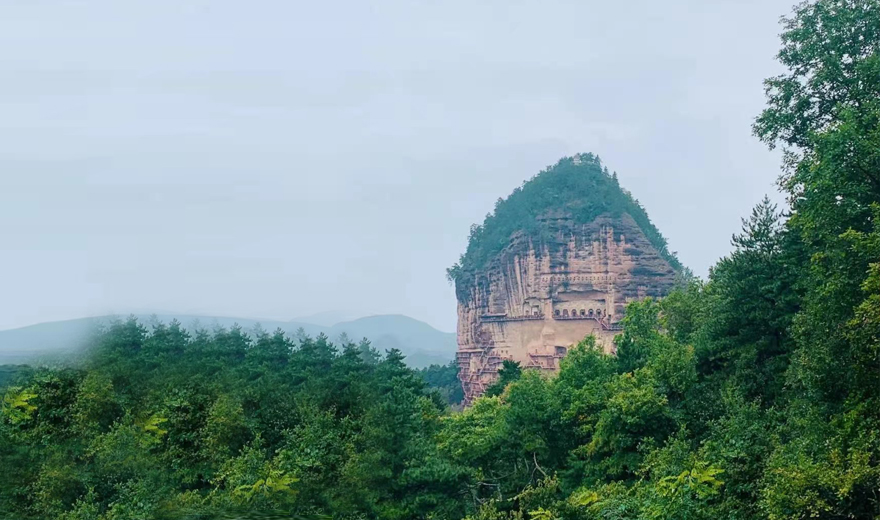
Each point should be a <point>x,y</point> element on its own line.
<point>504,317</point>
<point>603,323</point>
<point>489,318</point>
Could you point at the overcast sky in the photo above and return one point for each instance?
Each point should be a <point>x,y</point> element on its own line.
<point>274,158</point>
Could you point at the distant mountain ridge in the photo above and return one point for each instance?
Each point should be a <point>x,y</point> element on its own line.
<point>330,318</point>
<point>422,344</point>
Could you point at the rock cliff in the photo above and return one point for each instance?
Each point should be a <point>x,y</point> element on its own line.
<point>565,275</point>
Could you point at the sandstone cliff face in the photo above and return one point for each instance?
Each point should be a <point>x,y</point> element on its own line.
<point>537,298</point>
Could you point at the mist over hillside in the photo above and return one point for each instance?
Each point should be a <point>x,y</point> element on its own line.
<point>330,318</point>
<point>421,343</point>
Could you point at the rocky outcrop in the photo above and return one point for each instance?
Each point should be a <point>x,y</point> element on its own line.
<point>537,297</point>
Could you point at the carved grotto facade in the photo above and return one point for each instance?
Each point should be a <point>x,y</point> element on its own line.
<point>533,301</point>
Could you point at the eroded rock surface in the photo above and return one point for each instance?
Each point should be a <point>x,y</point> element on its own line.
<point>537,298</point>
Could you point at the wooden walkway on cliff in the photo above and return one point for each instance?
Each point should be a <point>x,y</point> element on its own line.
<point>500,318</point>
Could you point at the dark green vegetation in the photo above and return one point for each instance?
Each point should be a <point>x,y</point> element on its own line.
<point>12,373</point>
<point>509,372</point>
<point>754,394</point>
<point>421,343</point>
<point>577,187</point>
<point>164,424</point>
<point>443,379</point>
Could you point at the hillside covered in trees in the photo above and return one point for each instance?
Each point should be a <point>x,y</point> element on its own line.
<point>579,187</point>
<point>753,394</point>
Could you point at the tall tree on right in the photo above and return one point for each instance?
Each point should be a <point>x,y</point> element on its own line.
<point>825,113</point>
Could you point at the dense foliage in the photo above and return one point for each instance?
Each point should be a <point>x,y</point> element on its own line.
<point>9,373</point>
<point>578,187</point>
<point>754,394</point>
<point>160,423</point>
<point>443,379</point>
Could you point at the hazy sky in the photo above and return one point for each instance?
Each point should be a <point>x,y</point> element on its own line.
<point>274,158</point>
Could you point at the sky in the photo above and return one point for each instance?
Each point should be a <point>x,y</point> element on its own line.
<point>276,158</point>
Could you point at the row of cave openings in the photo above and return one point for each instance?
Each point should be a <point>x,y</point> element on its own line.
<point>585,313</point>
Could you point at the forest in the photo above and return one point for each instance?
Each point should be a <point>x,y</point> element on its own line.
<point>753,394</point>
